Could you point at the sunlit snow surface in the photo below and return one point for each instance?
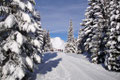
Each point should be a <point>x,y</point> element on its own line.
<point>61,66</point>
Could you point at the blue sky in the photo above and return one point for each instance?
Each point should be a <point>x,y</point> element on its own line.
<point>56,14</point>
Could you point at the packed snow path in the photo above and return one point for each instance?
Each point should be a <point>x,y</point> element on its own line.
<point>61,66</point>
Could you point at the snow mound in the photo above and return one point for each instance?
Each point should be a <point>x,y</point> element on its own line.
<point>57,43</point>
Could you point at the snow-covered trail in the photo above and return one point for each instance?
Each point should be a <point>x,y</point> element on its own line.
<point>61,66</point>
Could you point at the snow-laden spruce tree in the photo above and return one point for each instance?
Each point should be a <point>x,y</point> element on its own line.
<point>91,37</point>
<point>112,61</point>
<point>20,40</point>
<point>70,46</point>
<point>101,36</point>
<point>80,41</point>
<point>47,46</point>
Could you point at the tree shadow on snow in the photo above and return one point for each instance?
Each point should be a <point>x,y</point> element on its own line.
<point>48,56</point>
<point>88,56</point>
<point>46,66</point>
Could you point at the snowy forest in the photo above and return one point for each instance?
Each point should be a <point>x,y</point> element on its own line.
<point>28,52</point>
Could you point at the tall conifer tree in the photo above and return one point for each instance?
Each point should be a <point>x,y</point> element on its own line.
<point>70,45</point>
<point>19,41</point>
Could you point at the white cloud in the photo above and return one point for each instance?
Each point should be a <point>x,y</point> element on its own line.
<point>58,43</point>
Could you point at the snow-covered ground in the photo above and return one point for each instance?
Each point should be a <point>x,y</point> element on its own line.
<point>61,66</point>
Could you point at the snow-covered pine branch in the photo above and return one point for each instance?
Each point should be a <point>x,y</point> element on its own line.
<point>112,60</point>
<point>21,38</point>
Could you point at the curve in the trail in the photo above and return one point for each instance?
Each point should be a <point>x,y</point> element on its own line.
<point>67,67</point>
